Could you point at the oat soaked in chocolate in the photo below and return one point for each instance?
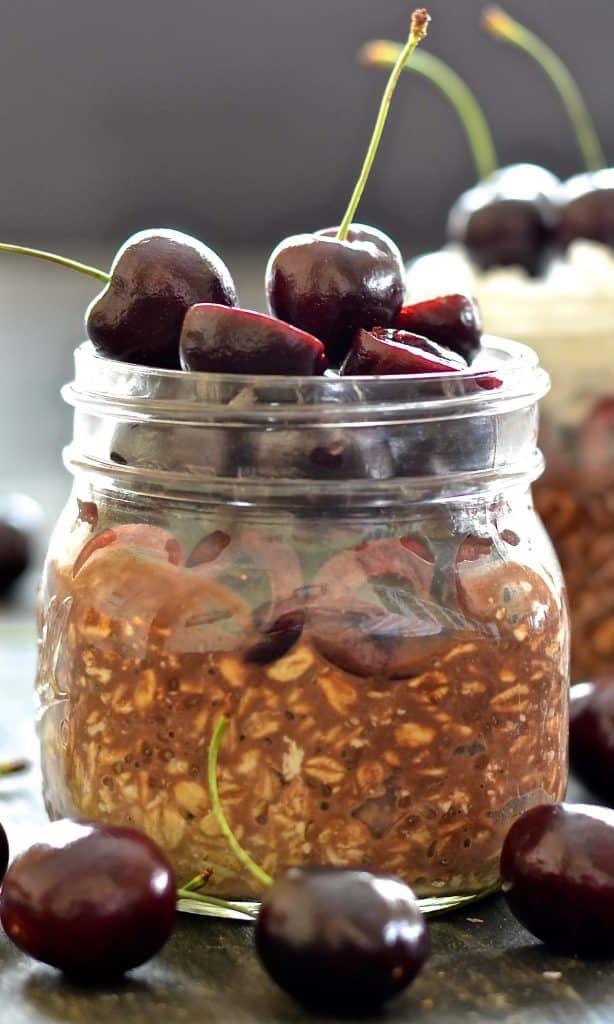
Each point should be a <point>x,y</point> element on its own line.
<point>393,703</point>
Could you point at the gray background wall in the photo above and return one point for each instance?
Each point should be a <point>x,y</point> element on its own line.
<point>242,121</point>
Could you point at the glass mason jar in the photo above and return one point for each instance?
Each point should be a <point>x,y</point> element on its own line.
<point>350,571</point>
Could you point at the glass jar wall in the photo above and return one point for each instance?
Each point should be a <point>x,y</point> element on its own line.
<point>350,571</point>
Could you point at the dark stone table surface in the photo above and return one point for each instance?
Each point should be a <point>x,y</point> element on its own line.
<point>484,967</point>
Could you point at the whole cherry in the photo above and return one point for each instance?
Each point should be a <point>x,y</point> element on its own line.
<point>341,939</point>
<point>155,277</point>
<point>333,282</point>
<point>510,219</point>
<point>591,736</point>
<point>587,209</point>
<point>557,869</point>
<point>586,201</point>
<point>91,900</point>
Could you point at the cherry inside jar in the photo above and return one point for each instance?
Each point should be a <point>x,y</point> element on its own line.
<point>352,572</point>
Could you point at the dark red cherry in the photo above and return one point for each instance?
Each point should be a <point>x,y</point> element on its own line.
<point>14,554</point>
<point>510,219</point>
<point>4,853</point>
<point>452,321</point>
<point>341,940</point>
<point>591,736</point>
<point>155,277</point>
<point>331,288</point>
<point>557,869</point>
<point>587,208</point>
<point>219,339</point>
<point>382,351</point>
<point>91,900</point>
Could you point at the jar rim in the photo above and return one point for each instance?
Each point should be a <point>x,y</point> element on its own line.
<point>125,389</point>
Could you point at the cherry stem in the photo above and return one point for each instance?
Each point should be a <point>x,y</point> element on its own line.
<point>185,893</point>
<point>419,27</point>
<point>62,261</point>
<point>501,26</point>
<point>383,53</point>
<point>14,767</point>
<point>242,856</point>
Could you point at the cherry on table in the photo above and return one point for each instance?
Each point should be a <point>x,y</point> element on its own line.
<point>452,321</point>
<point>20,521</point>
<point>591,736</point>
<point>340,939</point>
<point>557,869</point>
<point>510,219</point>
<point>92,900</point>
<point>384,351</point>
<point>221,339</point>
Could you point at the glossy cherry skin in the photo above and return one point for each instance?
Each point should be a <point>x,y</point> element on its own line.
<point>382,352</point>
<point>452,321</point>
<point>14,555</point>
<point>219,339</point>
<point>341,939</point>
<point>587,208</point>
<point>591,736</point>
<point>331,288</point>
<point>4,853</point>
<point>92,900</point>
<point>557,869</point>
<point>510,219</point>
<point>155,277</point>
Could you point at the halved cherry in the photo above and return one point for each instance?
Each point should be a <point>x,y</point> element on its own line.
<point>505,592</point>
<point>452,321</point>
<point>241,559</point>
<point>388,631</point>
<point>140,538</point>
<point>382,351</point>
<point>223,339</point>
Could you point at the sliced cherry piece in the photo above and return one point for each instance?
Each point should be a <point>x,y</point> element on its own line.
<point>503,592</point>
<point>587,208</point>
<point>155,277</point>
<point>389,636</point>
<point>279,631</point>
<point>591,736</point>
<point>331,287</point>
<point>220,339</point>
<point>508,220</point>
<point>150,540</point>
<point>340,940</point>
<point>452,321</point>
<point>557,868</point>
<point>380,352</point>
<point>91,900</point>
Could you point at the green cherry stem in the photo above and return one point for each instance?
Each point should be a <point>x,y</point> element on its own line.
<point>419,27</point>
<point>501,26</point>
<point>62,261</point>
<point>384,53</point>
<point>242,856</point>
<point>14,767</point>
